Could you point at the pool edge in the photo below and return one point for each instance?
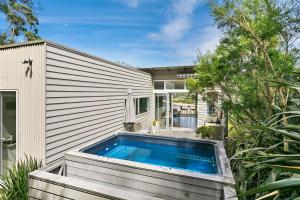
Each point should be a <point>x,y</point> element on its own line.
<point>225,177</point>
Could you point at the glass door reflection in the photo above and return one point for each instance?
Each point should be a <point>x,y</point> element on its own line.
<point>7,130</point>
<point>160,109</point>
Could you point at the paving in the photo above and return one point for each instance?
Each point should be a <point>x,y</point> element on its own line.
<point>177,132</point>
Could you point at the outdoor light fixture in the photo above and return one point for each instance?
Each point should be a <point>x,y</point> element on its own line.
<point>29,67</point>
<point>27,61</point>
<point>184,76</point>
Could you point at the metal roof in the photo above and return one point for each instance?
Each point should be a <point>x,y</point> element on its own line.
<point>17,45</point>
<point>141,69</point>
<point>168,68</point>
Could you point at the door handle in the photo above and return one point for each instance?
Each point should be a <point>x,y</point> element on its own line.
<point>7,138</point>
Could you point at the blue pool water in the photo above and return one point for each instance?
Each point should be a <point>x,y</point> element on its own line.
<point>179,154</point>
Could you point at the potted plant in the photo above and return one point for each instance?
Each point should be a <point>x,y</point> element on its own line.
<point>205,131</point>
<point>129,126</point>
<point>155,127</point>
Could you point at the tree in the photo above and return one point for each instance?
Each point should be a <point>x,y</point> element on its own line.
<point>256,53</point>
<point>21,20</point>
<point>254,66</point>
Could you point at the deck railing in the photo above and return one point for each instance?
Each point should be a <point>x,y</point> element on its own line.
<point>50,183</point>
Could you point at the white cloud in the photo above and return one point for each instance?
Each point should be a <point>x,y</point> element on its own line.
<point>172,31</point>
<point>182,52</point>
<point>121,21</point>
<point>132,3</point>
<point>184,37</point>
<point>179,23</point>
<point>201,41</point>
<point>185,7</point>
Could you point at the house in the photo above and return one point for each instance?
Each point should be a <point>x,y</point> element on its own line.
<point>169,82</point>
<point>54,98</point>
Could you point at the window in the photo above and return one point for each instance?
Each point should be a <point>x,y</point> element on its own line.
<point>136,101</point>
<point>177,85</point>
<point>159,85</point>
<point>212,102</point>
<point>141,105</point>
<point>169,85</point>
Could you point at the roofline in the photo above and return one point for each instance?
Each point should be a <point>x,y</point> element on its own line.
<point>8,46</point>
<point>73,50</point>
<point>167,68</point>
<point>70,49</point>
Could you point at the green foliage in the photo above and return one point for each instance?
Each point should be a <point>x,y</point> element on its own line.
<point>255,68</point>
<point>155,122</point>
<point>184,98</point>
<point>192,85</point>
<point>263,166</point>
<point>22,22</point>
<point>250,56</point>
<point>14,185</point>
<point>205,131</point>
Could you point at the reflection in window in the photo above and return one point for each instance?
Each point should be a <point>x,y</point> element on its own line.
<point>175,85</point>
<point>212,103</point>
<point>159,85</point>
<point>8,114</point>
<point>141,105</point>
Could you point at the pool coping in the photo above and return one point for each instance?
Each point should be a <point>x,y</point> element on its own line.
<point>225,177</point>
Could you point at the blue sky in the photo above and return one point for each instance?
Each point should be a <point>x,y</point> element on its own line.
<point>139,32</point>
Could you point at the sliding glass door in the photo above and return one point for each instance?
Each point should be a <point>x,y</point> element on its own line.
<point>8,114</point>
<point>160,109</point>
<point>163,110</point>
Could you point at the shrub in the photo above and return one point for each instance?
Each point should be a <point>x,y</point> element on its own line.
<point>205,131</point>
<point>155,122</point>
<point>14,183</point>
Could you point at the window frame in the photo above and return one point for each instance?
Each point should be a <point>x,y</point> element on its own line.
<point>165,90</point>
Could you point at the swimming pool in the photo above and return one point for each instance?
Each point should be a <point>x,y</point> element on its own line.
<point>159,166</point>
<point>179,154</point>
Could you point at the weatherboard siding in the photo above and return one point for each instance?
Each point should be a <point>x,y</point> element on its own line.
<point>44,186</point>
<point>202,111</point>
<point>149,182</point>
<point>85,98</point>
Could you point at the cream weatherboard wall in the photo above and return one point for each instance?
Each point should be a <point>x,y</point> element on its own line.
<point>71,98</point>
<point>30,133</point>
<point>85,98</point>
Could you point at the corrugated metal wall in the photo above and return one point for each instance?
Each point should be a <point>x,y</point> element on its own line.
<point>85,98</point>
<point>30,96</point>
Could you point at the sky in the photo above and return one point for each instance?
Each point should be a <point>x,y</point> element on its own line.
<point>142,33</point>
